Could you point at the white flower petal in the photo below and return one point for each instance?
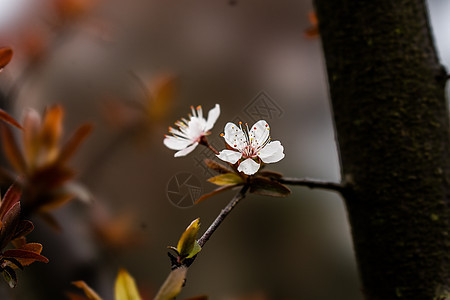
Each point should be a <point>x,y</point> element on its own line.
<point>186,151</point>
<point>272,152</point>
<point>259,133</point>
<point>248,166</point>
<point>195,129</point>
<point>176,143</point>
<point>229,156</point>
<point>234,136</point>
<point>213,115</point>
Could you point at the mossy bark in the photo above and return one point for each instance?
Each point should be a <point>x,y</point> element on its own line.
<point>388,95</point>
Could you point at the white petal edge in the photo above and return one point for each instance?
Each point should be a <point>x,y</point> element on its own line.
<point>234,136</point>
<point>260,132</point>
<point>248,166</point>
<point>213,115</point>
<point>186,151</point>
<point>229,156</point>
<point>176,143</point>
<point>272,152</point>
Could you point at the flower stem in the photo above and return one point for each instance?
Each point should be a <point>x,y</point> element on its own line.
<point>204,141</point>
<point>223,214</point>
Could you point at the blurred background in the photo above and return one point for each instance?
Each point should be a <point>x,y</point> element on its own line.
<point>132,68</point>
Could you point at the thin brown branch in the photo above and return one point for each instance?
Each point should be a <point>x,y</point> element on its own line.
<point>223,214</point>
<point>313,184</point>
<point>175,280</point>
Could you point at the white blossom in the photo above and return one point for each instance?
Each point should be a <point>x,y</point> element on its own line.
<point>250,146</point>
<point>189,133</point>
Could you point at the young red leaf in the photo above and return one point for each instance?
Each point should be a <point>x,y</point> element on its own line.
<point>88,291</point>
<point>23,228</point>
<point>8,119</point>
<point>12,151</point>
<point>53,176</point>
<point>51,129</point>
<point>6,54</point>
<point>10,221</point>
<point>163,96</point>
<point>264,186</point>
<point>74,142</point>
<point>54,200</point>
<point>31,131</point>
<point>219,168</point>
<point>11,197</point>
<point>25,254</point>
<point>72,296</point>
<point>32,247</point>
<point>270,174</point>
<point>215,192</point>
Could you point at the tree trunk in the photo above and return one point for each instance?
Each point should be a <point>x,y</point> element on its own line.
<point>388,95</point>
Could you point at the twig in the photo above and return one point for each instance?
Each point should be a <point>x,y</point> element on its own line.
<point>313,184</point>
<point>204,141</point>
<point>223,214</point>
<point>175,280</point>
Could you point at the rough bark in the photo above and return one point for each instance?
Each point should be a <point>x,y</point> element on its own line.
<point>387,89</point>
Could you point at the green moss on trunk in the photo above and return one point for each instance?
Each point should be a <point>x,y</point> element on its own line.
<point>387,91</point>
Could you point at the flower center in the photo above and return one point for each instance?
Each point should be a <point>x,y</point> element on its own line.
<point>251,145</point>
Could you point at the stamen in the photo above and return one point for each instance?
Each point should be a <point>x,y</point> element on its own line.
<point>199,111</point>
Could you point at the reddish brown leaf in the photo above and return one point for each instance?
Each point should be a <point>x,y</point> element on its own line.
<point>52,126</point>
<point>74,142</point>
<point>6,54</point>
<point>11,197</point>
<point>10,221</point>
<point>164,94</point>
<point>19,242</point>
<point>52,176</point>
<point>90,293</point>
<point>215,192</point>
<point>266,187</point>
<point>23,229</point>
<point>219,168</point>
<point>32,247</point>
<point>8,119</point>
<point>31,129</point>
<point>271,174</point>
<point>72,296</point>
<point>25,254</point>
<point>12,151</point>
<point>53,201</point>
